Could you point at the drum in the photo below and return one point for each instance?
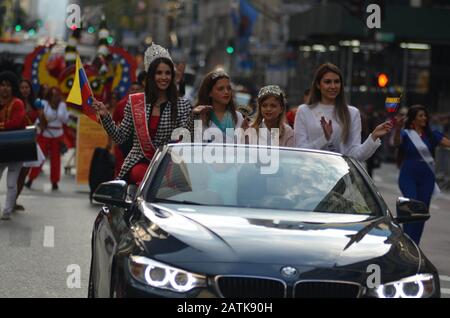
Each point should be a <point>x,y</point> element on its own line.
<point>18,145</point>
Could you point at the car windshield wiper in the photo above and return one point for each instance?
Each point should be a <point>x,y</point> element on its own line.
<point>160,200</point>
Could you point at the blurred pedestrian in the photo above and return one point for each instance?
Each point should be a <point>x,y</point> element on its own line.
<point>43,92</point>
<point>151,116</point>
<point>51,139</point>
<point>271,114</point>
<point>12,113</point>
<point>216,106</point>
<point>329,123</point>
<point>417,144</point>
<point>33,112</point>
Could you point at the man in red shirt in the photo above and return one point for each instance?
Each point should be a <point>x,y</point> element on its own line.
<point>12,114</point>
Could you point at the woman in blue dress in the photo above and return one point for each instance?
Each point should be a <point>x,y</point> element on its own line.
<point>417,180</point>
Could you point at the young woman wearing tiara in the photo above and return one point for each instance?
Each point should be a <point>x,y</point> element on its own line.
<point>216,107</point>
<point>151,116</point>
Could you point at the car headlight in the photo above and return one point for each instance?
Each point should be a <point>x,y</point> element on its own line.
<point>162,276</point>
<point>418,286</point>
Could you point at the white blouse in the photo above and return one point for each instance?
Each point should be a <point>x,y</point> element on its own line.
<point>56,118</point>
<point>309,133</point>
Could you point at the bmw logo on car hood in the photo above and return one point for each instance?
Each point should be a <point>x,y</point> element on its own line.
<point>289,272</point>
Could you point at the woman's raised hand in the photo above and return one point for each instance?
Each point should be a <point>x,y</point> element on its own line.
<point>399,121</point>
<point>327,127</point>
<point>100,108</point>
<point>382,130</point>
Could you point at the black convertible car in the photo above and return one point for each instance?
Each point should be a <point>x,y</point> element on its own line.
<point>252,221</point>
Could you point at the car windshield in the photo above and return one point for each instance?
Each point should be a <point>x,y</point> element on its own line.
<point>290,180</point>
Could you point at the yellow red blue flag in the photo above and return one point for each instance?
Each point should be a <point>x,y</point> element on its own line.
<point>81,92</point>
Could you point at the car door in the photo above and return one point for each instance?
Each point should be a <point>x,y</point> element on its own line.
<point>110,228</point>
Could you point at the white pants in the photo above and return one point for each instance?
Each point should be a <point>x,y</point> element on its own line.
<point>11,183</point>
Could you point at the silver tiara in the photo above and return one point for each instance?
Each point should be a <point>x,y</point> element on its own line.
<point>270,90</point>
<point>154,52</point>
<point>219,73</point>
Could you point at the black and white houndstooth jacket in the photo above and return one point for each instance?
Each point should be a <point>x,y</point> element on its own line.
<point>121,133</point>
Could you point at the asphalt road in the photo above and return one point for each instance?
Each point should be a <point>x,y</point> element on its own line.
<point>45,250</point>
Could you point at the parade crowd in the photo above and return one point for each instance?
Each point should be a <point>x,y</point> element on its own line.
<point>146,119</point>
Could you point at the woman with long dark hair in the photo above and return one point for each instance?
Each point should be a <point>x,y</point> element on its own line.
<point>33,109</point>
<point>416,144</point>
<point>151,116</point>
<point>215,105</point>
<point>327,122</point>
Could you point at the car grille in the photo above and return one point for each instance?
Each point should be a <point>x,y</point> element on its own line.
<point>249,287</point>
<point>326,290</point>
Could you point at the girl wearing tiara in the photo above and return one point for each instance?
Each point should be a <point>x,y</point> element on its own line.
<point>216,107</point>
<point>271,115</point>
<point>150,117</point>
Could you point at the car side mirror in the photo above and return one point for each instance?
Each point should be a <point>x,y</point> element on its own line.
<point>409,210</point>
<point>113,193</point>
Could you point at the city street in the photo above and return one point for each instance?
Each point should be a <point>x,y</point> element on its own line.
<point>45,247</point>
<point>41,244</point>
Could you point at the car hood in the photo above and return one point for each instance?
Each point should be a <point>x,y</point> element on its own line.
<point>189,234</point>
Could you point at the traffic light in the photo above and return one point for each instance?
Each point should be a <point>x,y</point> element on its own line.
<point>230,47</point>
<point>382,80</point>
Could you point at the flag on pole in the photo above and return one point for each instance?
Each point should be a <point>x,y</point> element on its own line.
<point>81,92</point>
<point>392,104</point>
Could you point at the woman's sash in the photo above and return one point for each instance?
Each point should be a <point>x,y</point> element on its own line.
<point>141,125</point>
<point>424,152</point>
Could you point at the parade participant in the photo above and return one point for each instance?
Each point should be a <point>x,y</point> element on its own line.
<point>151,116</point>
<point>328,123</point>
<point>12,113</point>
<point>43,92</point>
<point>56,114</point>
<point>33,109</point>
<point>290,115</point>
<point>416,144</point>
<point>271,114</point>
<point>216,107</point>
